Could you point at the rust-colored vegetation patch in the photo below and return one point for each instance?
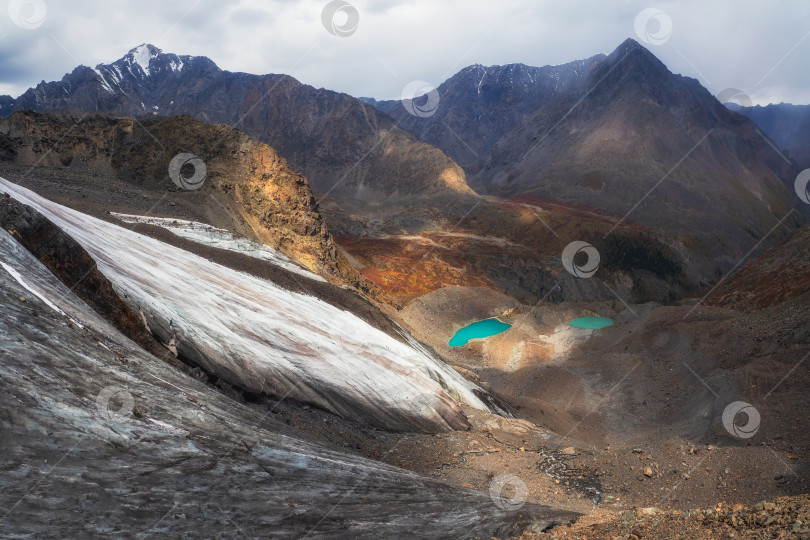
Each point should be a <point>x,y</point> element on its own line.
<point>408,267</point>
<point>780,275</point>
<point>508,238</point>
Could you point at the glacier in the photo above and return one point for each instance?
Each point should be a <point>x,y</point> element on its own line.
<point>263,338</point>
<point>192,461</point>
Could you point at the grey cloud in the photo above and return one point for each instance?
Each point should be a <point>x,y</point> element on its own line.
<point>250,17</point>
<point>746,44</point>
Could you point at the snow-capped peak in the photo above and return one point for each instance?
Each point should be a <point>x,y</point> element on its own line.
<point>143,55</point>
<point>139,63</point>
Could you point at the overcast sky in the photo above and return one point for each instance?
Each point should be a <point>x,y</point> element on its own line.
<point>761,48</point>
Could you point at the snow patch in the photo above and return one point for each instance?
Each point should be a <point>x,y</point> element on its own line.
<point>483,75</point>
<point>103,80</point>
<point>142,55</point>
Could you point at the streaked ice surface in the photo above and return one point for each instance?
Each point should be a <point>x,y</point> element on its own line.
<point>263,338</point>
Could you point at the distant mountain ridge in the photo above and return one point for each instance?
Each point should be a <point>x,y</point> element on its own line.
<point>486,103</point>
<point>787,125</point>
<point>343,147</point>
<point>6,105</point>
<point>623,134</point>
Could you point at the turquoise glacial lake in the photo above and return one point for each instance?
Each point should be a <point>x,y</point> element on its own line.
<point>480,329</point>
<point>594,323</point>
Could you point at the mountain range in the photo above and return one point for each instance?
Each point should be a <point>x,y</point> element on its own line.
<point>620,133</point>
<point>341,145</point>
<point>617,134</point>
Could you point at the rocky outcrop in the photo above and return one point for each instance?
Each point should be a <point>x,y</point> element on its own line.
<point>248,187</point>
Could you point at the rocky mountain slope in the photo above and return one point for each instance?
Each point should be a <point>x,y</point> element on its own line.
<point>787,125</point>
<point>264,198</point>
<point>622,134</point>
<point>102,164</point>
<point>481,104</point>
<point>785,517</point>
<point>780,275</point>
<point>341,145</point>
<point>511,246</point>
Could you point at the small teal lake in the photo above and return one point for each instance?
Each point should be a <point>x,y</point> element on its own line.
<point>594,323</point>
<point>480,329</point>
